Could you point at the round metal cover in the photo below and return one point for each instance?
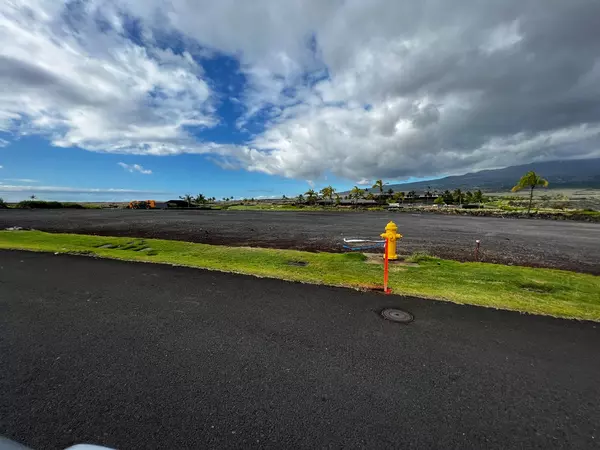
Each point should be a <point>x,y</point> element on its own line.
<point>397,315</point>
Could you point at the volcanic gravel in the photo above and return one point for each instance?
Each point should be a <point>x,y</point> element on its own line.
<point>531,242</point>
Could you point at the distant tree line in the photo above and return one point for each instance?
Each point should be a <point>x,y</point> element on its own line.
<point>383,196</point>
<point>199,199</point>
<point>458,197</point>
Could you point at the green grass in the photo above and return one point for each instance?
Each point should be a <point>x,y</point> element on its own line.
<point>587,212</point>
<point>538,291</point>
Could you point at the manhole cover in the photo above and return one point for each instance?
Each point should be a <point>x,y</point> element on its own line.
<point>397,315</point>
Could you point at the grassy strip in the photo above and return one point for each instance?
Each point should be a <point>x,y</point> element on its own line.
<point>538,291</point>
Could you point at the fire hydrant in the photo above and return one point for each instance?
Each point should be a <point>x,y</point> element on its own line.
<point>391,234</point>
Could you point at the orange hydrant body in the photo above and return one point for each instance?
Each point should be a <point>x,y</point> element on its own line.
<point>391,234</point>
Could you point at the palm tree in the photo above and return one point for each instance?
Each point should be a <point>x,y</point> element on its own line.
<point>300,198</point>
<point>356,193</point>
<point>338,199</point>
<point>327,192</point>
<point>32,197</point>
<point>379,185</point>
<point>458,196</point>
<point>311,196</point>
<point>530,181</point>
<point>390,193</point>
<point>187,198</point>
<point>478,197</point>
<point>400,196</point>
<point>448,198</point>
<point>428,193</point>
<point>412,195</point>
<point>200,199</point>
<point>370,196</point>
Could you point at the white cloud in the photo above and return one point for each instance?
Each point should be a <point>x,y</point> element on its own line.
<point>135,168</point>
<point>95,89</point>
<point>378,89</point>
<point>21,180</point>
<point>410,93</point>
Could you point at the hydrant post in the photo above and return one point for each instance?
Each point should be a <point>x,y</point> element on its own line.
<point>391,234</point>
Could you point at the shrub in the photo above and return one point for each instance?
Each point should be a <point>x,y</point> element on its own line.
<point>2,203</point>
<point>588,212</point>
<point>39,204</point>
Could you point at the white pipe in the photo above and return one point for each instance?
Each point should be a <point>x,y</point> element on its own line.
<point>349,241</point>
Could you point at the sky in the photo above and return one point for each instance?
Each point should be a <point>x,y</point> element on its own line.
<point>112,100</point>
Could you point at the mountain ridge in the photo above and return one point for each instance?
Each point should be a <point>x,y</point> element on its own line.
<point>574,173</point>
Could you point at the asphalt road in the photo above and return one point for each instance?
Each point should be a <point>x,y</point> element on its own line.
<point>141,356</point>
<point>545,243</point>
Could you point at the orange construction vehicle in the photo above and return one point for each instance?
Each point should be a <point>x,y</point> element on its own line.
<point>142,204</point>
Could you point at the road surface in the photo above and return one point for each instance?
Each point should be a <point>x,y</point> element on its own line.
<point>545,243</point>
<point>140,356</point>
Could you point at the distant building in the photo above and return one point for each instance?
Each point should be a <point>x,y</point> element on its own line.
<point>177,204</point>
<point>345,202</point>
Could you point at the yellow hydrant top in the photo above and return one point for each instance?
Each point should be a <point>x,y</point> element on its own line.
<point>391,231</point>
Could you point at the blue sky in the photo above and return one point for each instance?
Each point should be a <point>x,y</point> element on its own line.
<point>121,99</point>
<point>171,176</point>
